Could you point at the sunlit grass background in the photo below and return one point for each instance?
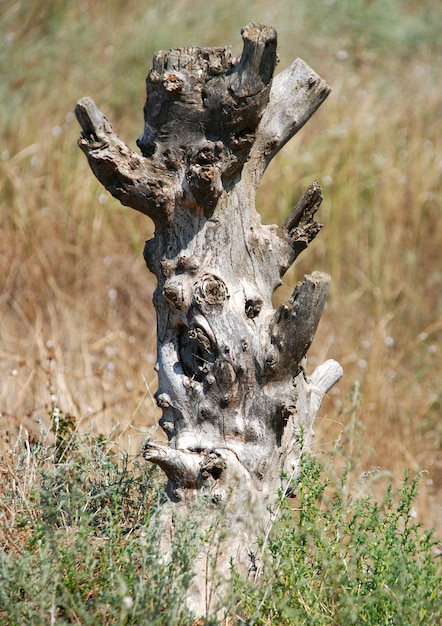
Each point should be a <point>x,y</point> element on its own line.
<point>77,327</point>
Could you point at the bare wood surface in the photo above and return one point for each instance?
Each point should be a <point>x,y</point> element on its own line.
<point>235,398</point>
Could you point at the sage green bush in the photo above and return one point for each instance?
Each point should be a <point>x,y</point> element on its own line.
<point>347,560</point>
<point>79,546</point>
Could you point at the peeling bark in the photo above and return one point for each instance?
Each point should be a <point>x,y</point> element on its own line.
<point>237,405</point>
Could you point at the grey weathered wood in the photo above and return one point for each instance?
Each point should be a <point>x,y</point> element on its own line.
<point>237,405</point>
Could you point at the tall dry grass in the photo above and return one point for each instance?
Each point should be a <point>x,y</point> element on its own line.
<point>77,328</point>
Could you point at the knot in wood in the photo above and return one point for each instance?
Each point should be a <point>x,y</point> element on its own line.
<point>204,183</point>
<point>173,82</point>
<point>175,294</point>
<point>187,263</point>
<point>163,400</point>
<point>253,307</point>
<point>203,175</point>
<point>211,291</point>
<point>198,335</point>
<point>225,373</point>
<point>212,465</point>
<point>271,357</point>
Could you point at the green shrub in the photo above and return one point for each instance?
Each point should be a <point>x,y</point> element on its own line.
<point>76,549</point>
<point>346,559</point>
<point>79,546</point>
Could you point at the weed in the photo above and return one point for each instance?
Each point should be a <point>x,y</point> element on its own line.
<point>77,542</point>
<point>82,542</point>
<point>346,560</point>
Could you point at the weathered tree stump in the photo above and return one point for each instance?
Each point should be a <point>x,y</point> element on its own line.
<point>237,405</point>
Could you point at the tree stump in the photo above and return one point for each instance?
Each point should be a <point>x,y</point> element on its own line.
<point>237,405</point>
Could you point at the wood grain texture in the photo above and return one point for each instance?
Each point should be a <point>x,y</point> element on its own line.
<point>237,406</point>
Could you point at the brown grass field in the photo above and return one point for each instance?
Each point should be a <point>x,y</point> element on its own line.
<point>77,327</point>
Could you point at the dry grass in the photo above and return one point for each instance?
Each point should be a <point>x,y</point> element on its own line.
<point>77,325</point>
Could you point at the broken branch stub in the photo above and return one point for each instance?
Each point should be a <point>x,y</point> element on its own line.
<point>235,399</point>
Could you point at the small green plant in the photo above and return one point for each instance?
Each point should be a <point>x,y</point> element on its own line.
<point>343,559</point>
<point>81,545</point>
<point>77,543</point>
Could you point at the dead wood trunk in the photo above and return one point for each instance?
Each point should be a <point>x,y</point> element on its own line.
<point>237,405</point>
